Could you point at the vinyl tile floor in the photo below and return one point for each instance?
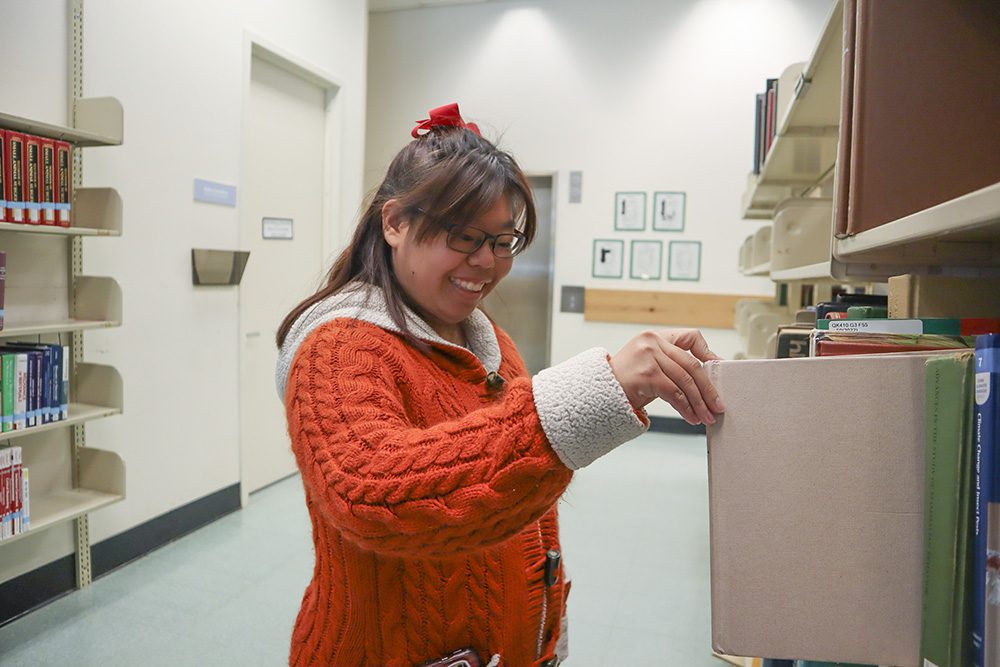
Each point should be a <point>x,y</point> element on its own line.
<point>634,533</point>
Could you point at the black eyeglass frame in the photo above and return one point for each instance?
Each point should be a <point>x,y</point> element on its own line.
<point>519,237</point>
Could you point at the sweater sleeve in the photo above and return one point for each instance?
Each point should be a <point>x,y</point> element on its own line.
<point>395,488</point>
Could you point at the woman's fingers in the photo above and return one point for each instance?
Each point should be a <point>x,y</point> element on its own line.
<point>682,382</point>
<point>707,393</point>
<point>692,341</point>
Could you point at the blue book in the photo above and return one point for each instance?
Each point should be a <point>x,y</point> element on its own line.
<point>986,562</point>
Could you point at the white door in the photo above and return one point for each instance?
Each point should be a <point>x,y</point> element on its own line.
<point>282,176</point>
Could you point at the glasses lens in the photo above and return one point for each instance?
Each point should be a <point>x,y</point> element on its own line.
<point>465,240</point>
<point>508,245</point>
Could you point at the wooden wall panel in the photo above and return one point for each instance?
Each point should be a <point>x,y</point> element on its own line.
<point>682,309</point>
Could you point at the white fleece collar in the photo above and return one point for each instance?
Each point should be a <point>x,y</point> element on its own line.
<point>367,303</point>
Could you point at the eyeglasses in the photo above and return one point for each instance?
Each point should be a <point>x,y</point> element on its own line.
<point>470,239</point>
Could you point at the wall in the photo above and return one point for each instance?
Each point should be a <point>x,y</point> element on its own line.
<point>640,95</point>
<point>179,70</point>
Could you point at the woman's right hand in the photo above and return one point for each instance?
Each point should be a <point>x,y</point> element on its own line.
<point>668,364</point>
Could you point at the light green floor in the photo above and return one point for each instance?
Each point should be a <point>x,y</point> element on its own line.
<point>635,538</point>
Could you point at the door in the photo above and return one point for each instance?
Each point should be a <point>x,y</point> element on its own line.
<point>282,176</point>
<point>522,303</point>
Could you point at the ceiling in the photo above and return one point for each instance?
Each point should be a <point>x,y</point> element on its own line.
<point>396,5</point>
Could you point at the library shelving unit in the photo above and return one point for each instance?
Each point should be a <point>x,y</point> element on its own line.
<point>49,300</point>
<point>887,156</point>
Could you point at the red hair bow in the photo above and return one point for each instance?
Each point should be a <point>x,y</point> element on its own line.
<point>446,116</point>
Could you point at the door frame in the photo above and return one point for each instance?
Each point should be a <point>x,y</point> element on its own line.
<point>553,176</point>
<point>254,45</point>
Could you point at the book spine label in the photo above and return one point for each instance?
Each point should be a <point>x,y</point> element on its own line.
<point>878,326</point>
<point>32,179</point>
<point>48,182</point>
<point>986,562</point>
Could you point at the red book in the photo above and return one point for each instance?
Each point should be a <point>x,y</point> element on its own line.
<point>48,182</point>
<point>836,348</point>
<point>837,315</point>
<point>63,183</point>
<point>3,175</point>
<point>32,179</point>
<point>14,176</point>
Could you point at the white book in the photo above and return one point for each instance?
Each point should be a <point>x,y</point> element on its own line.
<point>6,495</point>
<point>21,392</point>
<point>16,492</point>
<point>25,514</point>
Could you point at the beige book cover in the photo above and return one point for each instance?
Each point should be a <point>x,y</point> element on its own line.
<point>913,295</point>
<point>816,483</point>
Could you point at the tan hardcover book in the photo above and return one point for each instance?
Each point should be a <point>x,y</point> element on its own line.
<point>925,106</point>
<point>817,513</point>
<point>842,172</point>
<point>943,296</point>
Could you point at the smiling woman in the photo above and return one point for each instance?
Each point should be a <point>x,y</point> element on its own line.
<point>431,461</point>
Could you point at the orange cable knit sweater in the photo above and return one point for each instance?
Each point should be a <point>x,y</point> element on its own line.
<point>432,498</point>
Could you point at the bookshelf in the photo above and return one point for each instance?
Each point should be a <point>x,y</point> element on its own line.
<point>49,300</point>
<point>919,128</point>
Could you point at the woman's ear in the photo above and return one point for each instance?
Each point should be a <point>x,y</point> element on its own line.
<point>394,223</point>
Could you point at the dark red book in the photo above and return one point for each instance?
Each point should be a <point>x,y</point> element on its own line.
<point>3,175</point>
<point>63,182</point>
<point>32,179</point>
<point>48,182</point>
<point>14,176</point>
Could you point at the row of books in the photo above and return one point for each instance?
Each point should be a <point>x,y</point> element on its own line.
<point>15,514</point>
<point>961,610</point>
<point>765,123</point>
<point>34,385</point>
<point>35,179</point>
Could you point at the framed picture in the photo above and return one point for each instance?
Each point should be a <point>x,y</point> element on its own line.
<point>609,258</point>
<point>668,211</point>
<point>684,260</point>
<point>647,260</point>
<point>630,211</point>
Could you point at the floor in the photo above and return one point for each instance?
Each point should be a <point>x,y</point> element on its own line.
<point>635,535</point>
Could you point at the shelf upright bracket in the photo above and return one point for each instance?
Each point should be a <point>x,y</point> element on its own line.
<point>83,569</point>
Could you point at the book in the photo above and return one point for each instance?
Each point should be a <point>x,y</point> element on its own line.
<point>8,390</point>
<point>47,186</point>
<point>64,387</point>
<point>867,312</point>
<point>3,283</point>
<point>16,486</point>
<point>64,183</point>
<point>948,498</point>
<point>948,326</point>
<point>14,174</point>
<point>758,115</point>
<point>793,342</point>
<point>837,343</point>
<point>3,175</point>
<point>20,391</point>
<point>32,179</point>
<point>914,295</point>
<point>986,578</point>
<point>25,497</point>
<point>44,387</point>
<point>816,527</point>
<point>6,493</point>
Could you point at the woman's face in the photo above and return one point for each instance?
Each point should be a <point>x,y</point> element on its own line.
<point>446,285</point>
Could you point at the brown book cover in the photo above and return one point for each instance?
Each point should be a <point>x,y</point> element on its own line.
<point>925,109</point>
<point>842,172</point>
<point>817,539</point>
<point>913,295</point>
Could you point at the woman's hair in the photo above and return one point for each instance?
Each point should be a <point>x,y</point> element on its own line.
<point>449,176</point>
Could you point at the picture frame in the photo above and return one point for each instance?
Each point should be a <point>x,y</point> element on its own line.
<point>630,211</point>
<point>646,260</point>
<point>609,258</point>
<point>669,211</point>
<point>684,261</point>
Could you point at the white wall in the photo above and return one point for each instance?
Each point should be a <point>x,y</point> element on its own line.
<point>179,70</point>
<point>640,95</point>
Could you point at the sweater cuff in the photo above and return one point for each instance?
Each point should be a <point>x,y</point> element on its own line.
<point>583,409</point>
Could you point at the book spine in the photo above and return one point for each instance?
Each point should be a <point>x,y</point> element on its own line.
<point>3,175</point>
<point>64,183</point>
<point>32,412</point>
<point>758,114</point>
<point>46,389</point>
<point>64,389</point>
<point>15,177</point>
<point>21,389</point>
<point>48,182</point>
<point>3,284</point>
<point>16,484</point>
<point>987,399</point>
<point>32,179</point>
<point>5,493</point>
<point>56,383</point>
<point>25,497</point>
<point>8,366</point>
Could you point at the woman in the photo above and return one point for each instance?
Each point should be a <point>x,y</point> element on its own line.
<point>432,463</point>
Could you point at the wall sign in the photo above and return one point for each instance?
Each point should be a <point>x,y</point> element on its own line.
<point>276,228</point>
<point>608,258</point>
<point>684,260</point>
<point>647,260</point>
<point>211,192</point>
<point>668,211</point>
<point>630,211</point>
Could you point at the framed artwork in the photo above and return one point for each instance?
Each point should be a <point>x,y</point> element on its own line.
<point>668,211</point>
<point>684,260</point>
<point>630,211</point>
<point>609,258</point>
<point>646,260</point>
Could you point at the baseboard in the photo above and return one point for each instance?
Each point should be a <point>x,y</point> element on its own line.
<point>675,425</point>
<point>34,589</point>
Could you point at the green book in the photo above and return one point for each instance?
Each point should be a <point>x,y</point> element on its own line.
<point>8,363</point>
<point>946,630</point>
<point>867,312</point>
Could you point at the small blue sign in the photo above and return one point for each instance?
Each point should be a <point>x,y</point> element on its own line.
<point>214,193</point>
